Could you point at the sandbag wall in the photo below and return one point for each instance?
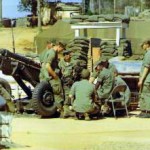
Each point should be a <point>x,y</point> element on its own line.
<point>100,18</point>
<point>109,49</point>
<point>79,47</point>
<point>5,128</point>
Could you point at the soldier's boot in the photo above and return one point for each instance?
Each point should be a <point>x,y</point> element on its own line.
<point>68,112</point>
<point>87,117</point>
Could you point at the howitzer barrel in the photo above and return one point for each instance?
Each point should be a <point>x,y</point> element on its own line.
<point>27,61</point>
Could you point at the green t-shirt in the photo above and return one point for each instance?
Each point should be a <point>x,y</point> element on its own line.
<point>106,80</point>
<point>146,63</point>
<point>83,92</point>
<point>66,68</point>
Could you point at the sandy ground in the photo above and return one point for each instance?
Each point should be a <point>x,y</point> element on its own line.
<point>68,134</point>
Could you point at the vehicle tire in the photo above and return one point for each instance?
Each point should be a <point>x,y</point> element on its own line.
<point>5,85</point>
<point>43,100</point>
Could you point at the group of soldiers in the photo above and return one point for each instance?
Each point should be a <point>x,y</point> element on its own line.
<point>81,98</point>
<point>84,97</point>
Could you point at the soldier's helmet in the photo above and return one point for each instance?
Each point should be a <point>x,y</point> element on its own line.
<point>85,74</point>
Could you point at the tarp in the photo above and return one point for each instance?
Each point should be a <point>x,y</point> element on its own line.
<point>60,31</point>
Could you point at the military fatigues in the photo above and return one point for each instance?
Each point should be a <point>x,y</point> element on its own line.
<point>83,92</point>
<point>106,79</point>
<point>145,92</point>
<point>52,58</point>
<point>67,76</point>
<point>4,93</point>
<point>120,81</point>
<point>111,67</point>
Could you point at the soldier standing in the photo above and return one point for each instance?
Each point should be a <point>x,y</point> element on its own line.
<point>50,72</point>
<point>49,45</point>
<point>144,82</point>
<point>66,66</point>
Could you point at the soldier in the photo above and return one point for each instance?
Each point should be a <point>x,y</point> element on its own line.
<point>108,65</point>
<point>105,80</point>
<point>7,97</point>
<point>66,66</point>
<point>49,45</point>
<point>50,72</point>
<point>144,82</point>
<point>83,95</point>
<point>120,81</point>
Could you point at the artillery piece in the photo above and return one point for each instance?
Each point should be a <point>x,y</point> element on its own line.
<point>23,70</point>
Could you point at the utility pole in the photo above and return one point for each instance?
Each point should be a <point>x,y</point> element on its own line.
<point>39,15</point>
<point>83,6</point>
<point>1,12</point>
<point>114,6</point>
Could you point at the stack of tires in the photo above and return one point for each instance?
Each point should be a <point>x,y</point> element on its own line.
<point>5,129</point>
<point>79,48</point>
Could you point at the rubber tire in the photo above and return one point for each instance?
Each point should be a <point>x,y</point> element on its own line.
<point>37,100</point>
<point>5,85</point>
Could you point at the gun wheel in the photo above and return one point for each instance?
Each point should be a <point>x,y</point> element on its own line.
<point>43,100</point>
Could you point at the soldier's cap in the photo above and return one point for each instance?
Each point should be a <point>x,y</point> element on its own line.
<point>85,74</point>
<point>66,52</point>
<point>62,44</point>
<point>100,61</point>
<point>147,41</point>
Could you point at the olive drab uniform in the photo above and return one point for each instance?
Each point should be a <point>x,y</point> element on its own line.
<point>111,67</point>
<point>120,81</point>
<point>67,76</point>
<point>52,58</point>
<point>107,80</point>
<point>145,91</point>
<point>5,94</point>
<point>83,92</point>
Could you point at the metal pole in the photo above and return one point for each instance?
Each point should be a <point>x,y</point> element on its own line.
<point>13,39</point>
<point>1,12</point>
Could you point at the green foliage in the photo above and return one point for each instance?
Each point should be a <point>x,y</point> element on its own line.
<point>25,5</point>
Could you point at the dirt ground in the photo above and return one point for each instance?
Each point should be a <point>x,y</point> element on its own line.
<point>34,133</point>
<point>69,134</point>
